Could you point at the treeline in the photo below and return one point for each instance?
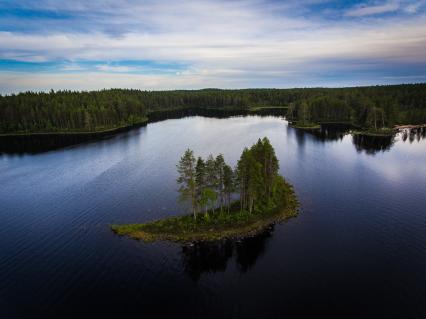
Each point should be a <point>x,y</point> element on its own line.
<point>70,111</point>
<point>65,111</point>
<point>368,107</point>
<point>209,184</point>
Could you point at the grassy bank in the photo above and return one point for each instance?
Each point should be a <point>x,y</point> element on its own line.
<point>356,130</point>
<point>214,226</point>
<point>384,132</point>
<point>265,108</point>
<point>305,126</point>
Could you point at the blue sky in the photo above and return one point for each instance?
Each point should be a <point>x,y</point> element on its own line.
<point>164,44</point>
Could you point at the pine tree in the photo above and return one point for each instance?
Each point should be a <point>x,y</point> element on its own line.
<point>270,166</point>
<point>208,198</point>
<point>200,182</point>
<point>241,178</point>
<point>257,170</point>
<point>254,181</point>
<point>211,173</point>
<point>228,184</point>
<point>186,179</point>
<point>219,168</point>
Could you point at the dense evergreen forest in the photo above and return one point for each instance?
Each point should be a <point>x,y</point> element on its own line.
<point>68,111</point>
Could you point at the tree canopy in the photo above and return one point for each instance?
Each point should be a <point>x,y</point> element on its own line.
<point>209,184</point>
<point>69,111</point>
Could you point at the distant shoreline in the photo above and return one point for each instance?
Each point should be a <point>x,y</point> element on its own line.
<point>150,117</point>
<point>99,132</point>
<point>382,132</point>
<point>251,111</point>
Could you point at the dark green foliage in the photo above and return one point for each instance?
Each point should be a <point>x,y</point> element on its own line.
<point>187,179</point>
<point>228,185</point>
<point>67,111</point>
<point>220,176</point>
<point>211,174</point>
<point>211,182</point>
<point>70,111</point>
<point>203,193</point>
<point>373,107</point>
<point>257,176</point>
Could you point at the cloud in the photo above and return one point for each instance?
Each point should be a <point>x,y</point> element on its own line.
<point>397,41</point>
<point>413,7</point>
<point>112,68</point>
<point>71,67</point>
<point>188,44</point>
<point>365,10</point>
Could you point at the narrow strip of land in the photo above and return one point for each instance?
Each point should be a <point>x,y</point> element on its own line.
<point>213,226</point>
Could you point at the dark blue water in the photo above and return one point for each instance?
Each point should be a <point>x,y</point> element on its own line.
<point>357,249</point>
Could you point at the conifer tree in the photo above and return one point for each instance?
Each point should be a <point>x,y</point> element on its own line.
<point>219,168</point>
<point>211,173</point>
<point>200,182</point>
<point>228,184</point>
<point>242,176</point>
<point>186,179</point>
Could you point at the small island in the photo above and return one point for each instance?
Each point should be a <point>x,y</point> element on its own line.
<point>224,203</point>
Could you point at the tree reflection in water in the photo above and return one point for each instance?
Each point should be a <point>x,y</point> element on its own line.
<point>212,257</point>
<point>331,132</point>
<point>363,143</point>
<point>372,144</point>
<point>413,134</point>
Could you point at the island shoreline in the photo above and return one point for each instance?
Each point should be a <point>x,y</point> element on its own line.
<point>259,222</point>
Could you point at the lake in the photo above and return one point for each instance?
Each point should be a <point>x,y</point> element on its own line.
<point>357,248</point>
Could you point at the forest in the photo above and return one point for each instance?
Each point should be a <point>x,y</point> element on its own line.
<point>222,201</point>
<point>70,111</point>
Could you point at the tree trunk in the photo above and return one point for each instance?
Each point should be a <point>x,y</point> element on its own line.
<point>375,125</point>
<point>383,119</point>
<point>221,200</point>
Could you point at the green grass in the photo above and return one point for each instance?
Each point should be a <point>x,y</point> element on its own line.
<point>260,108</point>
<point>214,226</point>
<point>306,125</point>
<point>382,132</point>
<point>372,132</point>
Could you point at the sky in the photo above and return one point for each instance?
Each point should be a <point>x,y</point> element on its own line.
<point>173,44</point>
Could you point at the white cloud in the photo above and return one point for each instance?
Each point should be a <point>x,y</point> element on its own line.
<point>112,68</point>
<point>72,67</point>
<point>413,7</point>
<point>367,10</point>
<point>235,43</point>
<point>397,41</point>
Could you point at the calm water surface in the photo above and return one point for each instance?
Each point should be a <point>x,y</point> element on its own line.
<point>357,249</point>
